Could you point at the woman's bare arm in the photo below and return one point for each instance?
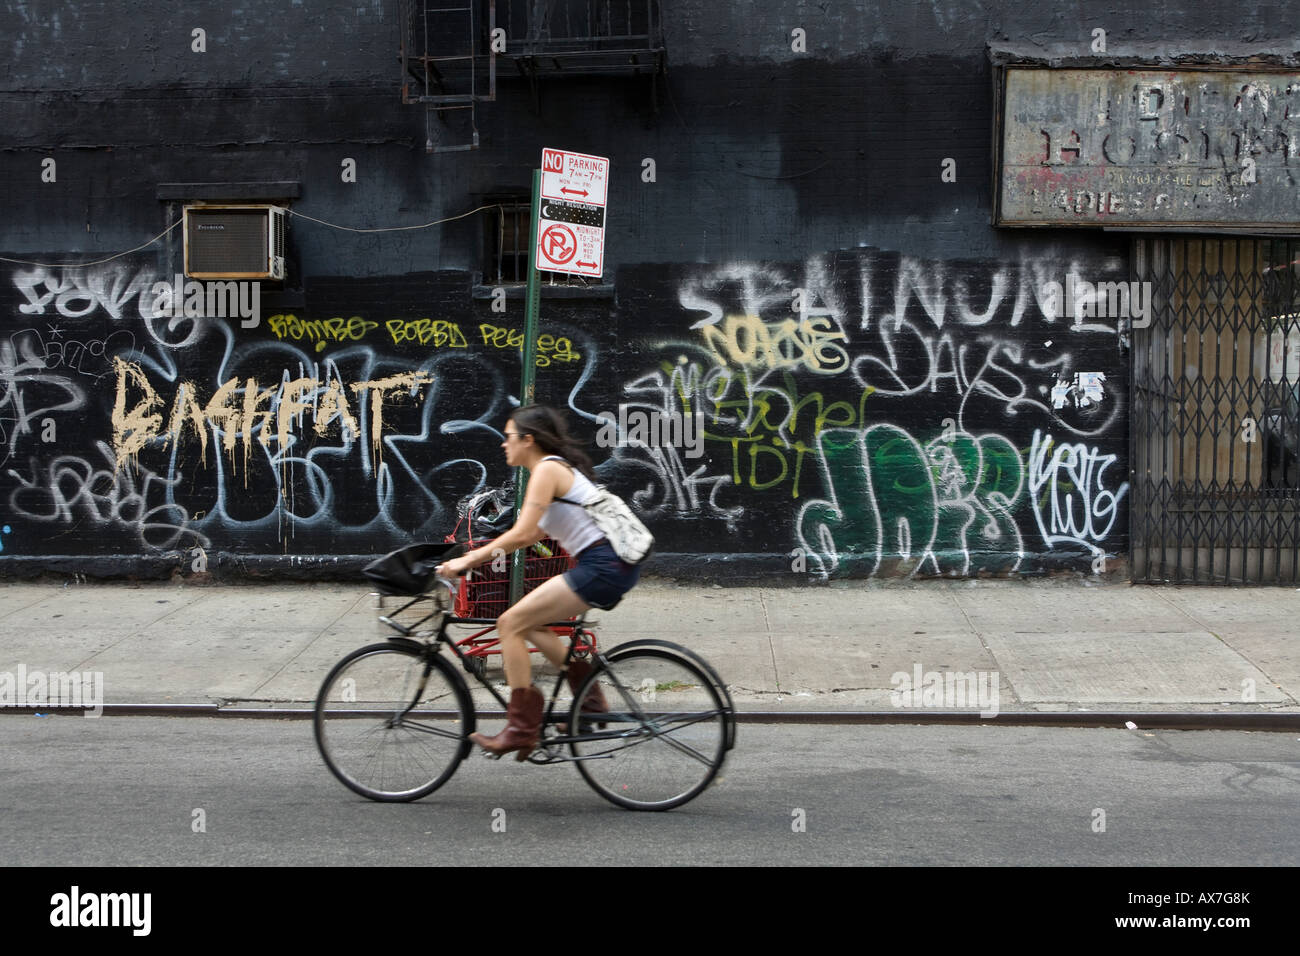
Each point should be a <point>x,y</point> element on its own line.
<point>525,531</point>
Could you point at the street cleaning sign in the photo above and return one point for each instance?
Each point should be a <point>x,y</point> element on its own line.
<point>571,216</point>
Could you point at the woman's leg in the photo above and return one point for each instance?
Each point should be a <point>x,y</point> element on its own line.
<point>552,601</point>
<point>552,646</point>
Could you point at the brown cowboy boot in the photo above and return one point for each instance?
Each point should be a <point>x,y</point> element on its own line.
<point>595,702</point>
<point>523,724</point>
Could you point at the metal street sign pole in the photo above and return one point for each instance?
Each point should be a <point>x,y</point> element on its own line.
<point>529,361</point>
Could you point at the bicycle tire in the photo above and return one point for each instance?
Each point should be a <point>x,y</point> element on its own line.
<point>666,732</point>
<point>354,724</point>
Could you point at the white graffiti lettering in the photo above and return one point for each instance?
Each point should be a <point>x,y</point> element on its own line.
<point>1067,488</point>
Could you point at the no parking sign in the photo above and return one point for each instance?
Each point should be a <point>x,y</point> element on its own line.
<point>571,217</point>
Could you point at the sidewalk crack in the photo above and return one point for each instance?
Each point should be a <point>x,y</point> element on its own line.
<point>1215,634</point>
<point>1015,695</point>
<point>25,607</point>
<point>140,630</point>
<point>771,646</point>
<point>342,614</point>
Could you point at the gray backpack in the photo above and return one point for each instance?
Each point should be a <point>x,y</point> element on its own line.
<point>630,539</point>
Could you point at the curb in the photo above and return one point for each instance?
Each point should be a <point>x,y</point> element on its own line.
<point>1279,722</point>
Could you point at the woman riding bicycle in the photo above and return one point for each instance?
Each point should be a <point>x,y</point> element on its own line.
<point>537,438</point>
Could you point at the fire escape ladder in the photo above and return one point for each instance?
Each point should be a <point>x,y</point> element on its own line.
<point>448,64</point>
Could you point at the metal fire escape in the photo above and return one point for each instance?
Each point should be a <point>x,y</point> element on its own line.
<point>449,48</point>
<point>586,38</point>
<point>447,61</point>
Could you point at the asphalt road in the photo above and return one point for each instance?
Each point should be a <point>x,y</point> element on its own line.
<point>126,791</point>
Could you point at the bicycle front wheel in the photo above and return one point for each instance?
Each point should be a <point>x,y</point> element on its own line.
<point>392,721</point>
<point>664,737</point>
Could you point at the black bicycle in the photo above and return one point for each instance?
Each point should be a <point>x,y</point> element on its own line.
<point>393,719</point>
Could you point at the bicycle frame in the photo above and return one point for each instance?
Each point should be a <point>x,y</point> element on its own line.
<point>475,646</point>
<point>574,628</point>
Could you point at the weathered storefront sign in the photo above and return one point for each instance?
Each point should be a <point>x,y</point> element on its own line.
<point>1149,147</point>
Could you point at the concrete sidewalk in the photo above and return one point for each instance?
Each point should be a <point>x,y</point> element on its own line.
<point>1050,647</point>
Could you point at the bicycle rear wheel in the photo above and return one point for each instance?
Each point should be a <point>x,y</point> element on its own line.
<point>665,735</point>
<point>392,721</point>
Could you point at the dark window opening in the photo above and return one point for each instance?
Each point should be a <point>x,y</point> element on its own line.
<point>506,238</point>
<point>506,235</point>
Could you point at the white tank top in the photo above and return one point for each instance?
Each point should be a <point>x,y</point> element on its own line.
<point>570,524</point>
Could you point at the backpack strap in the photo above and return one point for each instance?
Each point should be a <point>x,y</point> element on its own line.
<point>567,501</point>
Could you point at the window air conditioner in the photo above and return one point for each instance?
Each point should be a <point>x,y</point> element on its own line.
<point>234,242</point>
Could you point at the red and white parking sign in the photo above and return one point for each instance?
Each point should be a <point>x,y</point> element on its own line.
<point>571,218</point>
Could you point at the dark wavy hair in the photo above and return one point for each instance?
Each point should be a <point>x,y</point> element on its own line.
<point>551,432</point>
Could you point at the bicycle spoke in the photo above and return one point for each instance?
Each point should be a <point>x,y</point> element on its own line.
<point>678,745</point>
<point>423,729</point>
<point>667,738</point>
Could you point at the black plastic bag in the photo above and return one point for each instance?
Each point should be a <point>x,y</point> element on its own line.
<point>410,571</point>
<point>485,514</point>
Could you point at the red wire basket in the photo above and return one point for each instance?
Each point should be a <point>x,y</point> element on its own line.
<point>485,593</point>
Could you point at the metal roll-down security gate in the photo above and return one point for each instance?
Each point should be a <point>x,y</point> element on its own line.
<point>1215,491</point>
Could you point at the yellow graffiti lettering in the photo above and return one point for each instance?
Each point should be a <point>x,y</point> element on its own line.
<point>320,331</point>
<point>754,451</point>
<point>564,351</point>
<point>545,344</point>
<point>810,343</point>
<point>278,324</point>
<point>500,338</point>
<point>436,332</point>
<point>825,416</point>
<point>761,421</point>
<point>550,348</point>
<point>800,449</point>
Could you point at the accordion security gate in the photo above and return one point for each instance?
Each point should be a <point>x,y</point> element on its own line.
<point>1215,491</point>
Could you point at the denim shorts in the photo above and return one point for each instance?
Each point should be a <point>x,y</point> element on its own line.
<point>600,578</point>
